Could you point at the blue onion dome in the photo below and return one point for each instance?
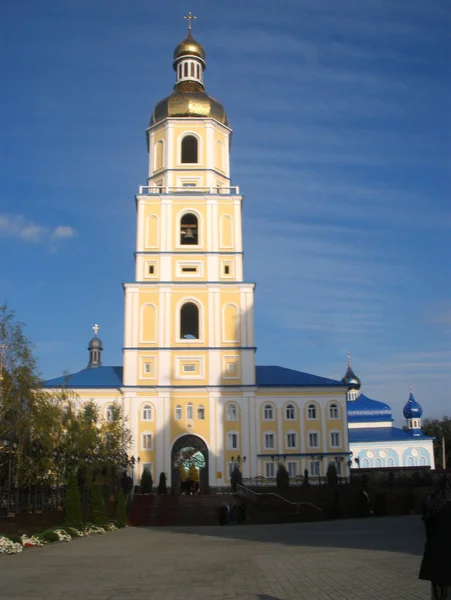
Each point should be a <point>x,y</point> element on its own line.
<point>351,378</point>
<point>95,344</point>
<point>412,410</point>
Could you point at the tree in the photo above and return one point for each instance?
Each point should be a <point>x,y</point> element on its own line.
<point>97,503</point>
<point>332,477</point>
<point>74,515</point>
<point>162,489</point>
<point>121,510</point>
<point>306,478</point>
<point>440,429</point>
<point>236,479</point>
<point>282,477</point>
<point>146,482</point>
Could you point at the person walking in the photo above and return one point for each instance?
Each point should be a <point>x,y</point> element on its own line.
<point>436,563</point>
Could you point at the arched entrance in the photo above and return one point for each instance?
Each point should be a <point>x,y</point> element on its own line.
<point>189,452</point>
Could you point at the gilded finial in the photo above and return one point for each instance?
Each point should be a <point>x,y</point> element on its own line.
<point>190,17</point>
<point>96,329</point>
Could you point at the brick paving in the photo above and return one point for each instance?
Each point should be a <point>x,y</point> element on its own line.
<point>339,560</point>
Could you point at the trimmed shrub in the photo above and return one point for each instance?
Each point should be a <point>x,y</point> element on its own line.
<point>282,477</point>
<point>306,479</point>
<point>236,478</point>
<point>162,488</point>
<point>49,536</point>
<point>146,482</point>
<point>97,504</point>
<point>74,514</point>
<point>332,477</point>
<point>13,537</point>
<point>121,511</point>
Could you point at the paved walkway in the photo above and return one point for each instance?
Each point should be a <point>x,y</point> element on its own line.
<point>340,560</point>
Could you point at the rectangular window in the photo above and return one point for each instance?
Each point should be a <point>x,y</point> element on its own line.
<point>230,368</point>
<point>148,368</point>
<point>313,440</point>
<point>335,439</point>
<point>189,184</point>
<point>178,413</point>
<point>189,411</point>
<point>189,269</point>
<point>292,468</point>
<point>269,441</point>
<point>232,441</point>
<point>314,468</point>
<point>270,470</point>
<point>201,413</point>
<point>189,368</point>
<point>151,269</point>
<point>291,440</point>
<point>227,270</point>
<point>147,441</point>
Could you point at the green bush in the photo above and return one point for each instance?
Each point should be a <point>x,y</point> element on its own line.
<point>121,511</point>
<point>146,482</point>
<point>332,477</point>
<point>236,479</point>
<point>74,514</point>
<point>162,488</point>
<point>49,536</point>
<point>97,504</point>
<point>282,477</point>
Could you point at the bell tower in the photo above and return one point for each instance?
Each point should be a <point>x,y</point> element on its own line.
<point>189,314</point>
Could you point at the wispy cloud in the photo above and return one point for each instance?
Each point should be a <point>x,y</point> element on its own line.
<point>19,227</point>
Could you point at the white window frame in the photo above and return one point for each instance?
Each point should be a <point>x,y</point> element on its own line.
<point>295,464</point>
<point>310,433</point>
<point>178,411</point>
<point>270,407</point>
<point>229,440</point>
<point>269,433</point>
<point>314,468</point>
<point>332,435</point>
<point>266,468</point>
<point>143,445</point>
<point>190,411</point>
<point>287,437</point>
<point>290,408</point>
<point>146,408</point>
<point>109,413</point>
<point>312,405</point>
<point>334,407</point>
<point>200,408</point>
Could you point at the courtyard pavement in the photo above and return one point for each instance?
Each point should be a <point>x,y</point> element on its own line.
<point>368,559</point>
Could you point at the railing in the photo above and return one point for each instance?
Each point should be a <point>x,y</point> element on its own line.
<point>245,492</point>
<point>297,481</point>
<point>153,190</point>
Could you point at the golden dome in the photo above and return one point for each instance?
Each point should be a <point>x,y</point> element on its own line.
<point>189,99</point>
<point>189,47</point>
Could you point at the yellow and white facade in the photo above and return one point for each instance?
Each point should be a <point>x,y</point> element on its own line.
<point>189,374</point>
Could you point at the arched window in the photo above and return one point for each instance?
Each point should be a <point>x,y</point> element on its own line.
<point>147,412</point>
<point>178,413</point>
<point>201,412</point>
<point>189,149</point>
<point>189,411</point>
<point>189,230</point>
<point>185,74</point>
<point>333,411</point>
<point>146,441</point>
<point>198,71</point>
<point>268,412</point>
<point>189,321</point>
<point>312,413</point>
<point>390,462</point>
<point>232,412</point>
<point>290,412</point>
<point>109,413</point>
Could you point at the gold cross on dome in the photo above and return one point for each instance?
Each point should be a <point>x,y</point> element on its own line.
<point>190,17</point>
<point>96,329</point>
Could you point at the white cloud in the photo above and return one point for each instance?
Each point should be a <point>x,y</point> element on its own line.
<point>21,228</point>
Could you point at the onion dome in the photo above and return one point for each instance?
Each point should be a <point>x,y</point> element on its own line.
<point>350,377</point>
<point>189,47</point>
<point>189,98</point>
<point>412,410</point>
<point>95,344</point>
<point>95,348</point>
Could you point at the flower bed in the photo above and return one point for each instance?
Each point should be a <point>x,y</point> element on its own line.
<point>15,544</point>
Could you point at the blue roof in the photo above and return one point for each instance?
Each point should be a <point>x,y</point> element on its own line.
<point>365,409</point>
<point>111,377</point>
<point>98,377</point>
<point>268,376</point>
<point>383,434</point>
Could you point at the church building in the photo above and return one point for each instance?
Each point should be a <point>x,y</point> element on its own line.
<point>189,382</point>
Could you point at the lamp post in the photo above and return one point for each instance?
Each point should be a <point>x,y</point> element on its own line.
<point>10,447</point>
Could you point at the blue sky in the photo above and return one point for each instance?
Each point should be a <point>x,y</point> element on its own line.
<point>341,148</point>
